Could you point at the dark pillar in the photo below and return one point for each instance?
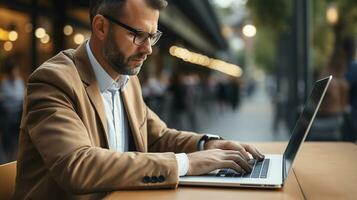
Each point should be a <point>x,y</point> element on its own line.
<point>59,19</point>
<point>301,71</point>
<point>34,10</point>
<point>304,71</point>
<point>308,71</point>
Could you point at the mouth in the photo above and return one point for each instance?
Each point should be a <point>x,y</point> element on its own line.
<point>137,62</point>
<point>139,58</point>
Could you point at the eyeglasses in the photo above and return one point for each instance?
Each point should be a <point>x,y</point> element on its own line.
<point>139,36</point>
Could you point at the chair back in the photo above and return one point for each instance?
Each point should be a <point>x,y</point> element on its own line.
<point>7,177</point>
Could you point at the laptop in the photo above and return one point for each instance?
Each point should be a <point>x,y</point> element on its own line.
<point>274,169</point>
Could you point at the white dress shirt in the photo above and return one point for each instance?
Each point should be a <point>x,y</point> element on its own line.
<point>114,111</point>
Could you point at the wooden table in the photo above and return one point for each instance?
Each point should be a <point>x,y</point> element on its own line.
<point>328,170</point>
<point>321,171</point>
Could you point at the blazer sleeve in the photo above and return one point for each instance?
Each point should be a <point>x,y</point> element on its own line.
<point>76,165</point>
<point>163,139</point>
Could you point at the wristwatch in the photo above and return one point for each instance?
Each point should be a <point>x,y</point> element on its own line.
<point>207,137</point>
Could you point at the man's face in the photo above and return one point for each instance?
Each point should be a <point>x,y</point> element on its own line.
<point>121,53</point>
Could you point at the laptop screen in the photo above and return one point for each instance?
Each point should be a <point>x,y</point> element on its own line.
<point>304,122</point>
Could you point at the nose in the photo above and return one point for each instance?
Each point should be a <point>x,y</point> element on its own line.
<point>146,47</point>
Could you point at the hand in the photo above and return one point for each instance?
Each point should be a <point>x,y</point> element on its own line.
<point>245,149</point>
<point>203,162</point>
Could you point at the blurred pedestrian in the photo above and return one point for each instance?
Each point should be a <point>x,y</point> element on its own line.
<point>11,98</point>
<point>330,118</point>
<point>234,93</point>
<point>179,107</point>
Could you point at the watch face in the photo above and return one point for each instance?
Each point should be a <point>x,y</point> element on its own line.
<point>212,137</point>
<point>206,138</point>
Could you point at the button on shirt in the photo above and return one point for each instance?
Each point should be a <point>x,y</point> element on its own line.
<point>117,123</point>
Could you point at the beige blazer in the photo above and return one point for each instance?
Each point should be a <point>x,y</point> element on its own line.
<point>63,145</point>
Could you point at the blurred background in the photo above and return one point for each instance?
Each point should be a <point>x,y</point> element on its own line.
<point>241,69</point>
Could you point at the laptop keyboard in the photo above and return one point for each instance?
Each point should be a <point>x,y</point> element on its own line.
<point>260,170</point>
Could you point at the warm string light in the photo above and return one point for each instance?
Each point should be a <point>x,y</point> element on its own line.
<point>45,39</point>
<point>199,59</point>
<point>68,30</point>
<point>249,30</point>
<point>332,15</point>
<point>9,37</point>
<point>78,38</point>
<point>8,46</point>
<point>4,34</point>
<point>13,35</point>
<point>40,32</point>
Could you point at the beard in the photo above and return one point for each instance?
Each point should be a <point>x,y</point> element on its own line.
<point>116,59</point>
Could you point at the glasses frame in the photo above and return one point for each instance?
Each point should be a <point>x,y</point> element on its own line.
<point>156,35</point>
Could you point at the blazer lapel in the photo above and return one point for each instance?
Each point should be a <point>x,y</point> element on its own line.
<point>87,75</point>
<point>130,110</point>
<point>96,99</point>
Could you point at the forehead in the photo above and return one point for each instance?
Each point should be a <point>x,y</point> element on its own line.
<point>140,15</point>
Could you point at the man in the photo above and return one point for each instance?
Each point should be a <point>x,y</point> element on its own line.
<point>86,130</point>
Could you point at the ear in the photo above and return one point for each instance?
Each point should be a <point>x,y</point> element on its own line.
<point>100,27</point>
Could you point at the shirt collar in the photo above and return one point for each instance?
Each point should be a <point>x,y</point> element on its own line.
<point>105,81</point>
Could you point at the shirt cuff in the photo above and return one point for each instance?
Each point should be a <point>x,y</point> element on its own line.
<point>183,163</point>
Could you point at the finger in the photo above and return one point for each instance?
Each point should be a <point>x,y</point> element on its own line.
<point>233,152</point>
<point>242,152</point>
<point>240,148</point>
<point>259,152</point>
<point>246,160</point>
<point>233,165</point>
<point>239,159</point>
<point>254,151</point>
<point>245,154</point>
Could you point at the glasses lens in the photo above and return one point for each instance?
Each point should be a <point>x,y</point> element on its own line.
<point>155,38</point>
<point>141,38</point>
